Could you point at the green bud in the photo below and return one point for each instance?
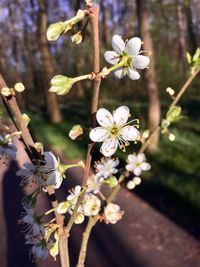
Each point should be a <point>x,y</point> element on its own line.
<point>39,147</point>
<point>165,123</point>
<point>61,84</point>
<point>77,38</point>
<point>75,132</point>
<point>26,118</point>
<point>19,87</point>
<point>64,206</point>
<point>173,114</point>
<point>55,30</point>
<point>111,181</point>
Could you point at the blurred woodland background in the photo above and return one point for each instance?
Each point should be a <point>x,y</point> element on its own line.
<point>168,28</point>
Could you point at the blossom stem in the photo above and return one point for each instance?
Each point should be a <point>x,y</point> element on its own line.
<point>117,66</point>
<point>82,255</point>
<point>49,211</point>
<point>80,78</point>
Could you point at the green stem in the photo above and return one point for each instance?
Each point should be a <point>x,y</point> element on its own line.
<point>117,66</point>
<point>80,78</point>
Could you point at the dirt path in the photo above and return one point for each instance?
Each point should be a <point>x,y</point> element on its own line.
<point>144,238</point>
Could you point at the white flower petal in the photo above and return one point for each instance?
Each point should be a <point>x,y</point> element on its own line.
<point>141,157</point>
<point>98,134</point>
<point>120,115</point>
<point>118,44</point>
<point>104,117</point>
<point>133,46</point>
<point>140,62</point>
<point>132,158</point>
<point>145,166</point>
<point>28,219</point>
<point>129,167</point>
<point>54,179</point>
<point>111,57</point>
<point>50,159</point>
<point>120,73</point>
<point>137,171</point>
<point>133,74</point>
<point>109,147</point>
<point>130,133</point>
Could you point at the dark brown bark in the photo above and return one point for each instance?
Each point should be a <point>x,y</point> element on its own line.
<point>48,64</point>
<point>150,74</point>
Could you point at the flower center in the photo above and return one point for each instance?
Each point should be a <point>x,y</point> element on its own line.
<point>114,131</point>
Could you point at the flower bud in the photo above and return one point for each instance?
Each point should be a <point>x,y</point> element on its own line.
<point>79,219</point>
<point>173,114</point>
<point>55,30</point>
<point>19,87</point>
<point>61,84</point>
<point>75,132</point>
<point>111,181</point>
<point>39,147</point>
<point>64,206</point>
<point>26,118</point>
<point>165,123</point>
<point>77,38</point>
<point>6,91</point>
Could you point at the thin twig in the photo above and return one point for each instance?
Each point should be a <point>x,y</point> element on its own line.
<point>174,102</point>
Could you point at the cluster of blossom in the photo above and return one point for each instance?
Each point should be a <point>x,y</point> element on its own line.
<point>7,148</point>
<point>136,164</point>
<point>42,237</point>
<point>45,172</point>
<point>91,206</point>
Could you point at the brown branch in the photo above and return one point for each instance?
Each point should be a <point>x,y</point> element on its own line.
<point>97,81</point>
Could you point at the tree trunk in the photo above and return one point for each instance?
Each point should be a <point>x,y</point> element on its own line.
<point>181,27</point>
<point>48,65</point>
<point>150,74</point>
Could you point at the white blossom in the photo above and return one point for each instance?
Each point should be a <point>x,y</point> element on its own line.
<point>91,205</point>
<point>29,171</point>
<point>114,130</point>
<point>106,167</point>
<point>137,164</point>
<point>7,148</point>
<point>130,51</point>
<point>93,184</point>
<point>112,213</point>
<point>51,170</point>
<point>33,223</point>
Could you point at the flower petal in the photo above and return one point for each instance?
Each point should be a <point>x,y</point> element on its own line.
<point>130,133</point>
<point>140,62</point>
<point>111,57</point>
<point>118,44</point>
<point>98,134</point>
<point>129,167</point>
<point>54,179</point>
<point>137,171</point>
<point>120,73</point>
<point>133,74</point>
<point>133,46</point>
<point>104,117</point>
<point>109,147</point>
<point>120,115</point>
<point>50,159</point>
<point>141,157</point>
<point>145,166</point>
